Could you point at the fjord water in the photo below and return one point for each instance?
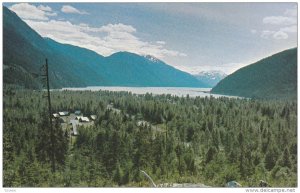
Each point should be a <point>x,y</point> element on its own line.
<point>174,91</point>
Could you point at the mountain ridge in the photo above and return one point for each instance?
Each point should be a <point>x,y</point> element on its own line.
<point>274,77</point>
<point>73,66</point>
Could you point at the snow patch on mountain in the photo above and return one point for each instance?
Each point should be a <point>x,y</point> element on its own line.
<point>152,58</point>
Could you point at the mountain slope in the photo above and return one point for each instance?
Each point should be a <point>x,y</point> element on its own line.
<point>71,66</point>
<point>24,52</point>
<point>272,77</point>
<point>211,78</point>
<point>145,71</point>
<point>18,51</point>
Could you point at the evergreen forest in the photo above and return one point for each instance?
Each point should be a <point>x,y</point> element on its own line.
<point>174,139</point>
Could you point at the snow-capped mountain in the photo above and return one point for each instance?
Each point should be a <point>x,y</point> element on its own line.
<point>210,77</point>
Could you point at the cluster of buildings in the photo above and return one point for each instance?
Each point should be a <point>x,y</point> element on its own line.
<point>74,120</point>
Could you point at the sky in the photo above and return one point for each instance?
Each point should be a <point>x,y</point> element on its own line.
<point>192,37</point>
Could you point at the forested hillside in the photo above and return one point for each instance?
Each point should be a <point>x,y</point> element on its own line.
<point>174,139</point>
<point>24,52</point>
<point>273,77</point>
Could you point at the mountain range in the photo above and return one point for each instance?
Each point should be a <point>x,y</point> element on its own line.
<point>274,77</point>
<point>24,53</point>
<point>211,78</point>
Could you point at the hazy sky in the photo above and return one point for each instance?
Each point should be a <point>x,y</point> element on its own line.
<point>192,37</point>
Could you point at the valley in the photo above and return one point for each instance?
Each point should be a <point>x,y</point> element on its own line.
<point>118,114</point>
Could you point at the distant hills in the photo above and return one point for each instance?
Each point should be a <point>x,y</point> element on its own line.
<point>272,77</point>
<point>24,52</point>
<point>211,78</point>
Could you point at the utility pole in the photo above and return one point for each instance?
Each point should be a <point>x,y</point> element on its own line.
<point>50,116</point>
